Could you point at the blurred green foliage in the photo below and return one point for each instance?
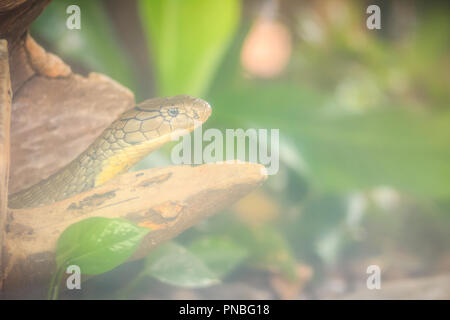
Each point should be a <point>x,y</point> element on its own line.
<point>188,40</point>
<point>172,263</point>
<point>221,254</point>
<point>345,151</point>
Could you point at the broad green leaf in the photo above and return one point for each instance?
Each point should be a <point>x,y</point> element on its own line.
<point>95,45</point>
<point>220,254</point>
<point>97,244</point>
<point>187,40</point>
<point>174,264</point>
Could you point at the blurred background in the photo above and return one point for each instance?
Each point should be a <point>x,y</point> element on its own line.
<point>364,126</point>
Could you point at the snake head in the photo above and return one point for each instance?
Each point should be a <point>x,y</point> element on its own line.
<point>179,112</point>
<point>158,118</point>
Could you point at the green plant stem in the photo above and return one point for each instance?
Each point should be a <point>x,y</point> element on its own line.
<point>53,290</point>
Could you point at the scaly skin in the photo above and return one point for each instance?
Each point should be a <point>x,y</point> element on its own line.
<point>135,134</point>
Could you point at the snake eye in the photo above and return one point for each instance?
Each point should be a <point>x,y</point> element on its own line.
<point>173,112</point>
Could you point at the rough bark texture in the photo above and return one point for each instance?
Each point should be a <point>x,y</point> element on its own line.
<point>167,200</point>
<point>5,114</point>
<point>16,17</point>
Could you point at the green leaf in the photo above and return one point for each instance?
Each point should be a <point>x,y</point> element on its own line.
<point>174,264</point>
<point>97,244</point>
<point>220,254</point>
<point>187,40</point>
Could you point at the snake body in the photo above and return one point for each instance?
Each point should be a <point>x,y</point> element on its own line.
<point>136,133</point>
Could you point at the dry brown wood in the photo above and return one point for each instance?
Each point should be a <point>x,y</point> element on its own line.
<point>6,5</point>
<point>16,17</point>
<point>167,200</point>
<point>5,117</point>
<point>28,59</point>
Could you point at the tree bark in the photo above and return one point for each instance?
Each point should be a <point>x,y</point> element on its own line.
<point>5,116</point>
<point>16,17</point>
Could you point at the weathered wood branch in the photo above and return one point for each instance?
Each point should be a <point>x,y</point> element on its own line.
<point>167,200</point>
<point>16,17</point>
<point>5,118</point>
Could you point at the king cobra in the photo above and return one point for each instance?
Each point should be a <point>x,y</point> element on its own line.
<point>136,133</point>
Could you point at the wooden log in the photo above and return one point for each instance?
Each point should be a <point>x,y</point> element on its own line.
<point>167,200</point>
<point>5,117</point>
<point>16,17</point>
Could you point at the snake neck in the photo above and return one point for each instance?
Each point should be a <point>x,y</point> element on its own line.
<point>102,161</point>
